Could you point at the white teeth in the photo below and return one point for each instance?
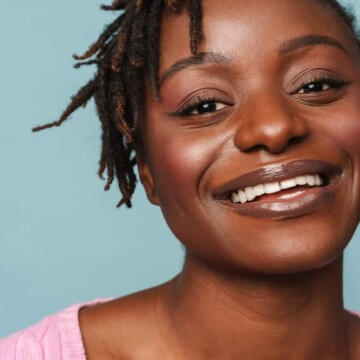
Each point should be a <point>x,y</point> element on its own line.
<point>259,190</point>
<point>287,184</point>
<point>242,196</point>
<point>310,179</point>
<point>301,180</point>
<point>272,188</point>
<point>251,192</point>
<point>318,180</point>
<point>235,197</point>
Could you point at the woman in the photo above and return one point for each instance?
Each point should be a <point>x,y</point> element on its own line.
<point>245,131</point>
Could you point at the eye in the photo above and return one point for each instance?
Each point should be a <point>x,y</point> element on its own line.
<point>201,106</point>
<point>319,85</point>
<point>315,87</point>
<point>205,107</point>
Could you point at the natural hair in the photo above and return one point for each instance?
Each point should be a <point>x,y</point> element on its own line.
<point>127,55</point>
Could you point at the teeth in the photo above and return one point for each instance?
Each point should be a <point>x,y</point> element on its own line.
<point>272,188</point>
<point>318,180</point>
<point>301,180</point>
<point>235,197</point>
<point>287,184</point>
<point>242,197</point>
<point>259,190</point>
<point>251,192</point>
<point>310,179</point>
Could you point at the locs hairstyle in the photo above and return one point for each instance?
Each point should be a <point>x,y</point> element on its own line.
<point>127,56</point>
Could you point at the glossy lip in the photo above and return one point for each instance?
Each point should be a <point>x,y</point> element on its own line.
<point>277,172</point>
<point>306,202</point>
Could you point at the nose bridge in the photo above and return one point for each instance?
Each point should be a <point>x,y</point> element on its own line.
<point>269,122</point>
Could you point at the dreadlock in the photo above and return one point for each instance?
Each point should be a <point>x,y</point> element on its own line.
<point>126,53</point>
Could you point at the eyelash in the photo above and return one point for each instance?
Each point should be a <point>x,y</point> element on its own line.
<point>334,83</point>
<point>193,104</point>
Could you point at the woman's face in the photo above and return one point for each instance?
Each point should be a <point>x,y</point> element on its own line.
<point>272,97</point>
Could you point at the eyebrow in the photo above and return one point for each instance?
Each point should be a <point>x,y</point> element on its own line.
<point>218,58</point>
<point>196,59</point>
<point>307,41</point>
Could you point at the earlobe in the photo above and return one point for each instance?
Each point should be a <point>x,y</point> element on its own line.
<point>147,180</point>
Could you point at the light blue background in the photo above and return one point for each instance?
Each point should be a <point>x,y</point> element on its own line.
<point>62,240</point>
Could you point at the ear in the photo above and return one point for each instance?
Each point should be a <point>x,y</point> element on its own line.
<point>147,180</point>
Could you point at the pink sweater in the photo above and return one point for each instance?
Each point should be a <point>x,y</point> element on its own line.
<point>56,337</point>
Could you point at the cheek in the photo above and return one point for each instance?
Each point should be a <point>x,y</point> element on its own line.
<point>336,130</point>
<point>347,130</point>
<point>179,163</point>
<point>343,128</point>
<point>349,135</point>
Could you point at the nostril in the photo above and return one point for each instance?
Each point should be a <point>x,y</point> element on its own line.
<point>295,140</point>
<point>272,144</point>
<point>273,133</point>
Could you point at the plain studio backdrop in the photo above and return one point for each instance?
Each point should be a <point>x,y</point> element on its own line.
<point>62,240</point>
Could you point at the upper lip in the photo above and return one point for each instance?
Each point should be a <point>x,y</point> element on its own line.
<point>278,172</point>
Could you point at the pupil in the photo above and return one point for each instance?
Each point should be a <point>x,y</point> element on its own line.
<point>313,87</point>
<point>206,107</point>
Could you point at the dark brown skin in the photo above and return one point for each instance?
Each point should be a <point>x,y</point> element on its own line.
<point>251,288</point>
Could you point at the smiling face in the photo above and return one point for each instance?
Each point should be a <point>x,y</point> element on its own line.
<point>270,103</point>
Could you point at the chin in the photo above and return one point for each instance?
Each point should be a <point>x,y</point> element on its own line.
<point>278,253</point>
<point>292,257</point>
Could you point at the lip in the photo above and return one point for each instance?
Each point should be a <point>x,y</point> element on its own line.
<point>306,202</point>
<point>277,172</point>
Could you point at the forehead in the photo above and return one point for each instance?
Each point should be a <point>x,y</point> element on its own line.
<point>240,28</point>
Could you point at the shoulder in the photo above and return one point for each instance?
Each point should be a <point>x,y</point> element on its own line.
<point>25,344</point>
<point>55,337</point>
<point>114,329</point>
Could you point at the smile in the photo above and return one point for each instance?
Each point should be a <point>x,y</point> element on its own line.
<point>282,190</point>
<point>252,193</point>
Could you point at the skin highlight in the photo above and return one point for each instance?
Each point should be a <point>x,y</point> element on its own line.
<point>251,288</point>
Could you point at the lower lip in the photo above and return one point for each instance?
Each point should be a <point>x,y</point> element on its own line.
<point>304,203</point>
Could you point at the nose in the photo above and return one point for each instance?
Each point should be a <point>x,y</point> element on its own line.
<point>269,124</point>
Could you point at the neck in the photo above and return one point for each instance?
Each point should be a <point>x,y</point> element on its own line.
<point>213,314</point>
